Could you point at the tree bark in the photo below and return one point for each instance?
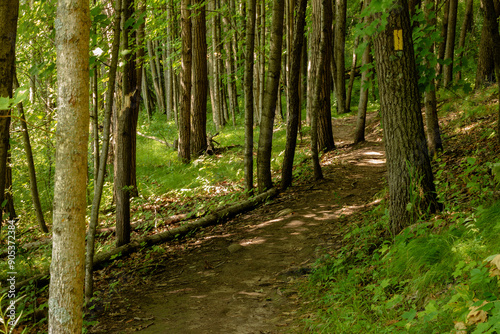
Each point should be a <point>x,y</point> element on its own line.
<point>444,34</point>
<point>68,252</point>
<point>271,93</point>
<point>466,27</point>
<point>249,96</point>
<point>352,75</point>
<point>450,43</point>
<point>359,134</point>
<point>124,127</point>
<point>294,96</point>
<point>490,20</point>
<point>339,49</point>
<point>154,74</point>
<point>410,178</point>
<point>485,61</point>
<point>324,116</point>
<point>434,141</point>
<point>35,197</point>
<point>200,81</point>
<point>316,104</point>
<point>96,202</point>
<point>8,30</point>
<point>185,113</point>
<point>214,58</point>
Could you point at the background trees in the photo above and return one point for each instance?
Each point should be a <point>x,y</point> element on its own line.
<point>168,75</point>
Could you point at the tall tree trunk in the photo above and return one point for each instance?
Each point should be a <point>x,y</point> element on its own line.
<point>262,61</point>
<point>185,113</point>
<point>154,73</point>
<point>352,75</point>
<point>249,98</point>
<point>490,20</point>
<point>434,142</point>
<point>8,30</point>
<point>95,120</point>
<point>485,61</point>
<point>230,79</point>
<point>169,71</point>
<point>316,104</point>
<point>68,239</point>
<point>124,131</point>
<point>466,27</point>
<point>359,133</point>
<point>200,80</point>
<point>96,202</point>
<point>266,126</point>
<point>35,198</point>
<point>450,43</point>
<point>324,116</point>
<point>339,47</point>
<point>410,178</point>
<point>444,34</point>
<point>294,96</point>
<point>214,59</point>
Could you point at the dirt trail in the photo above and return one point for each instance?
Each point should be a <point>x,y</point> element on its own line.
<point>239,277</point>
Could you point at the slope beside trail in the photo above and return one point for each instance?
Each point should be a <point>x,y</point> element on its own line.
<point>239,277</point>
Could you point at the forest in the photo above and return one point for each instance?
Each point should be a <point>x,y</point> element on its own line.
<point>285,166</point>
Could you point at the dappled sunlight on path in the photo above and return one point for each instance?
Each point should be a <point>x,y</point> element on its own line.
<point>239,277</point>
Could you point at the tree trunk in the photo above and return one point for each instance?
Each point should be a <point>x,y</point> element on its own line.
<point>154,73</point>
<point>230,79</point>
<point>410,178</point>
<point>324,116</point>
<point>68,250</point>
<point>450,43</point>
<point>35,198</point>
<point>8,30</point>
<point>124,131</point>
<point>490,20</point>
<point>185,113</point>
<point>271,93</point>
<point>352,75</point>
<point>200,81</point>
<point>96,202</point>
<point>339,49</point>
<point>214,58</point>
<point>316,102</point>
<point>466,27</point>
<point>434,142</point>
<point>444,34</point>
<point>359,134</point>
<point>294,96</point>
<point>485,61</point>
<point>249,98</point>
<point>262,61</point>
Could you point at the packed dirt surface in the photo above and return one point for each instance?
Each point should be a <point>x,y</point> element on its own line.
<point>239,277</point>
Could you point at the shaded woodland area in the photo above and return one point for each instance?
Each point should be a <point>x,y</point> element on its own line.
<point>127,124</point>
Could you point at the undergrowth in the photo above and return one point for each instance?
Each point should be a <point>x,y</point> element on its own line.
<point>440,275</point>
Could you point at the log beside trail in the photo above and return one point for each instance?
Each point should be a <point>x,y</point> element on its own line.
<point>212,219</point>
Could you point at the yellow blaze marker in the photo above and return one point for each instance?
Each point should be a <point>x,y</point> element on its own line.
<point>398,39</point>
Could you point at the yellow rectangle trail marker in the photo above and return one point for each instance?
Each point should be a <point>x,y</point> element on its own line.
<point>398,39</point>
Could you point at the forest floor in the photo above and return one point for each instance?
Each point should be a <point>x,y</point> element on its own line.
<point>240,276</point>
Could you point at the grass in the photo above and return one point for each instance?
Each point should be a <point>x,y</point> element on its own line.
<point>428,278</point>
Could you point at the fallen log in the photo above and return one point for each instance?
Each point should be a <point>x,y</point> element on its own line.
<point>212,219</point>
<point>155,139</point>
<point>103,232</point>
